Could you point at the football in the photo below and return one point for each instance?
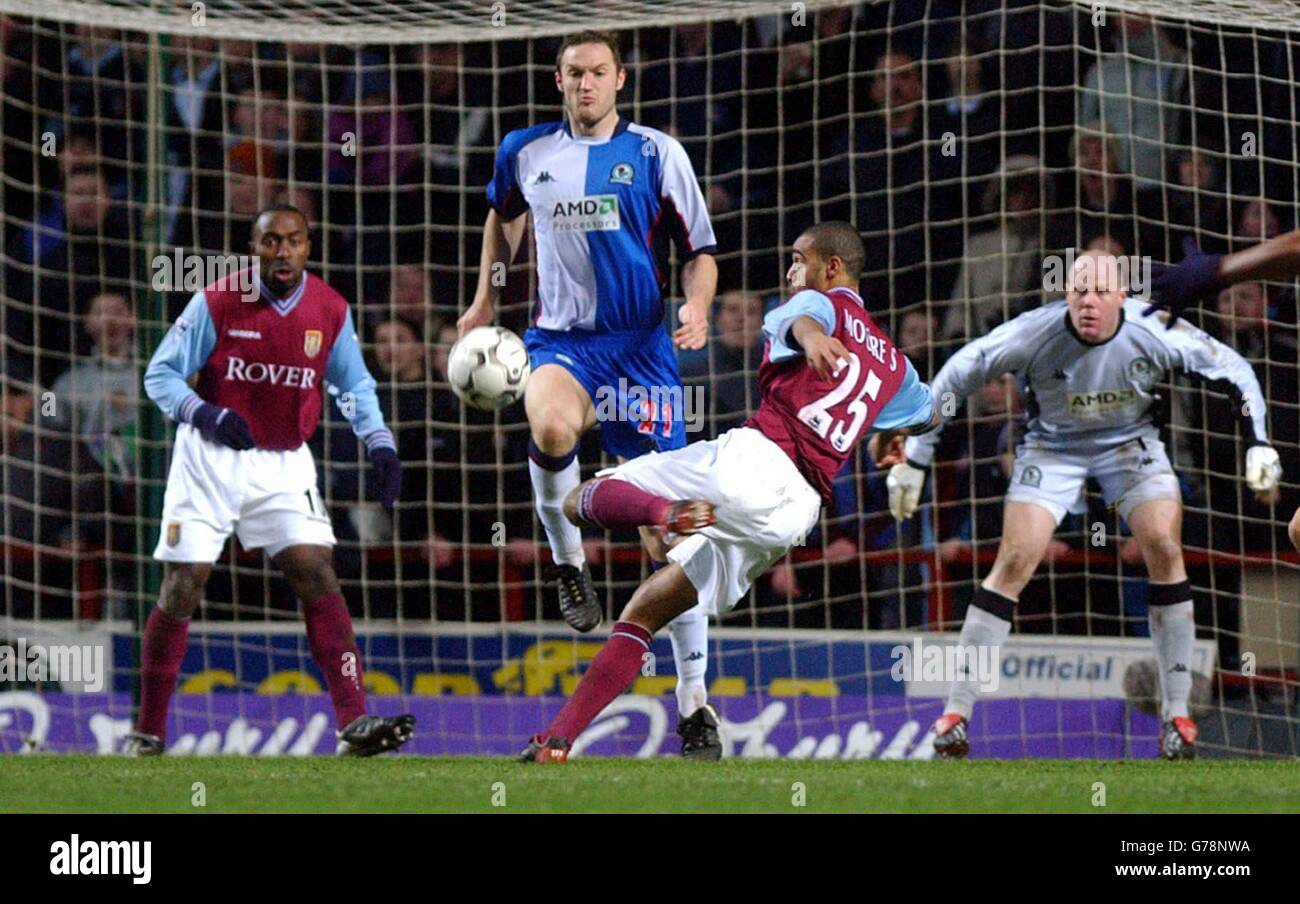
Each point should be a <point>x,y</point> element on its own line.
<point>488,368</point>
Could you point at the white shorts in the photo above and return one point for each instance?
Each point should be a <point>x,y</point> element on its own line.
<point>269,498</point>
<point>1129,475</point>
<point>762,504</point>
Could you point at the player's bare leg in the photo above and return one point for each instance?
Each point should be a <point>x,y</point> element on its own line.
<point>666,594</point>
<point>1294,530</point>
<point>559,412</point>
<point>614,503</point>
<point>1157,526</point>
<point>166,637</point>
<point>309,570</point>
<point>1026,531</point>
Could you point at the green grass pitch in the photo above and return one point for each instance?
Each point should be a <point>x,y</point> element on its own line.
<point>83,784</point>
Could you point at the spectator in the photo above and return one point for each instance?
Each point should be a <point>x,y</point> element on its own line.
<point>885,185</point>
<point>972,114</point>
<point>1001,272</point>
<point>194,131</point>
<point>727,368</point>
<point>97,399</point>
<point>409,298</point>
<point>917,330</point>
<point>1138,94</point>
<point>1196,208</point>
<point>1257,221</point>
<point>1102,194</point>
<point>80,245</point>
<point>102,91</point>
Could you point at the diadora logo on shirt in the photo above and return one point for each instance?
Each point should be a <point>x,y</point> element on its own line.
<point>594,213</point>
<point>276,374</point>
<point>244,334</point>
<point>1090,405</point>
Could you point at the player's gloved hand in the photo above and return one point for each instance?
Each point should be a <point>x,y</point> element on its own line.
<point>224,426</point>
<point>388,474</point>
<point>1186,284</point>
<point>1263,471</point>
<point>905,482</point>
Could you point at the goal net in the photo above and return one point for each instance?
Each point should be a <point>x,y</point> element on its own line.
<point>973,147</point>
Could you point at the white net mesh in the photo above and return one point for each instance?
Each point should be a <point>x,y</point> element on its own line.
<point>966,149</point>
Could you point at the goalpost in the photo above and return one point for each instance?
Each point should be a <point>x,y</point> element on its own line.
<point>972,144</point>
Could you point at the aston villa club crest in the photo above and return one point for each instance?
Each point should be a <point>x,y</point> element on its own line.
<point>311,343</point>
<point>173,533</point>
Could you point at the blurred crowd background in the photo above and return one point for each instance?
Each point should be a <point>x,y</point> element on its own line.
<point>967,143</point>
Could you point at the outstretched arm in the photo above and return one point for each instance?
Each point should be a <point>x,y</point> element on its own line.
<point>1195,279</point>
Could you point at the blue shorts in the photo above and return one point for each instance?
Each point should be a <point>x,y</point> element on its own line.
<point>632,380</point>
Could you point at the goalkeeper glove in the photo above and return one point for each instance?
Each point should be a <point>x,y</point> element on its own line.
<point>223,425</point>
<point>905,482</point>
<point>1263,468</point>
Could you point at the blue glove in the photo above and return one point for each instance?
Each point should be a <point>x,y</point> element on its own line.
<point>1185,284</point>
<point>224,426</point>
<point>388,474</point>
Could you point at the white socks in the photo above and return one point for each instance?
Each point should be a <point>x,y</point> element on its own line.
<point>980,629</point>
<point>1173,633</point>
<point>549,490</point>
<point>690,636</point>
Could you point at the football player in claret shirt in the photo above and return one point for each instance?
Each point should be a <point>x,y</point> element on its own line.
<point>241,463</point>
<point>735,505</point>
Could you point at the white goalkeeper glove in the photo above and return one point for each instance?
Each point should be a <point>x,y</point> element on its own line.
<point>905,482</point>
<point>1263,469</point>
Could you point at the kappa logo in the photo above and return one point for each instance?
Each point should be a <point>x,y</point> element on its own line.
<point>543,176</point>
<point>1031,476</point>
<point>622,173</point>
<point>311,343</point>
<point>695,657</point>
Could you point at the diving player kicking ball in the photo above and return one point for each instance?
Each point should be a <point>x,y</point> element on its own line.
<point>603,193</point>
<point>1090,363</point>
<point>241,463</point>
<point>1198,277</point>
<point>740,502</point>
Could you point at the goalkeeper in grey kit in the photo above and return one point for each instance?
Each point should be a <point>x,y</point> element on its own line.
<point>1087,367</point>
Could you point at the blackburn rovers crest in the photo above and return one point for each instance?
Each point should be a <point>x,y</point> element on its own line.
<point>311,343</point>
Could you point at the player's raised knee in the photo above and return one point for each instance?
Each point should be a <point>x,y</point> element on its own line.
<point>552,431</point>
<point>1294,530</point>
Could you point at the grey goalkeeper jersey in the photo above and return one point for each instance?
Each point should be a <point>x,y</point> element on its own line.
<point>1083,399</point>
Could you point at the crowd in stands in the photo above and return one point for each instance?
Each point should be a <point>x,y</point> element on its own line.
<point>966,149</point>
